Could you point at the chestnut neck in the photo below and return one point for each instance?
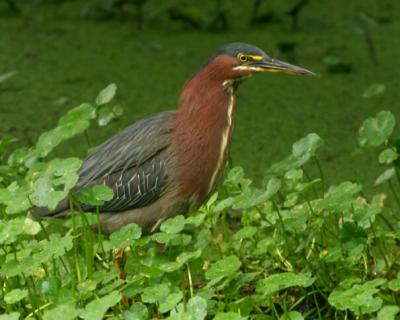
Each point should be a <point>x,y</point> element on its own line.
<point>202,127</point>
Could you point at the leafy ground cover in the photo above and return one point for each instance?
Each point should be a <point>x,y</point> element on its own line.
<point>292,248</point>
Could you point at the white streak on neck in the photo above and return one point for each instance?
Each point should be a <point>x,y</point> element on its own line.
<point>227,84</point>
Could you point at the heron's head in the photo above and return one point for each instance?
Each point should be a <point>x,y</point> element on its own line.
<point>239,60</point>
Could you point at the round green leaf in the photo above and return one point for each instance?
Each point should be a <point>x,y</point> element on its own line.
<point>388,312</point>
<point>107,113</point>
<point>223,268</point>
<point>375,131</point>
<point>61,312</point>
<point>173,225</point>
<point>307,146</point>
<point>96,309</point>
<point>87,286</point>
<point>137,311</point>
<point>170,301</point>
<point>359,298</point>
<point>31,227</point>
<point>280,281</point>
<point>125,236</point>
<point>155,293</point>
<point>394,285</point>
<point>96,195</point>
<point>15,296</point>
<point>387,156</point>
<point>52,181</point>
<point>292,315</point>
<point>10,316</point>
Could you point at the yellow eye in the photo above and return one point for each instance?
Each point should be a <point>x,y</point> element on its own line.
<point>242,58</point>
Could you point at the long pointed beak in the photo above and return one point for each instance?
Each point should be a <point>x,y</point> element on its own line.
<point>272,65</point>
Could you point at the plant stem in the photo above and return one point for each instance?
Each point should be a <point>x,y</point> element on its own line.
<point>378,244</point>
<point>71,207</point>
<point>321,174</point>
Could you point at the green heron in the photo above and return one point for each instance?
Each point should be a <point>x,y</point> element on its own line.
<point>169,163</point>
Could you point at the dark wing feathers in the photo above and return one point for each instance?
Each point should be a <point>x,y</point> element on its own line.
<point>137,187</point>
<point>130,148</point>
<point>132,163</point>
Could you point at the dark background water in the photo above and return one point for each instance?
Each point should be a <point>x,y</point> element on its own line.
<point>64,52</point>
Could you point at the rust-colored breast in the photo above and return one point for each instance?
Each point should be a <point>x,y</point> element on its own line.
<point>201,137</point>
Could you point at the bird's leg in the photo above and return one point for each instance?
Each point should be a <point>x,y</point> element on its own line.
<point>119,262</point>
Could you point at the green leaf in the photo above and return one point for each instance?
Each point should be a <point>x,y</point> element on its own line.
<point>180,261</point>
<point>155,293</point>
<point>365,213</point>
<point>106,113</point>
<point>273,186</point>
<point>10,230</point>
<point>96,195</point>
<point>349,281</point>
<point>76,121</point>
<point>73,117</point>
<point>394,285</point>
<point>375,131</point>
<point>173,225</point>
<point>31,227</point>
<point>245,233</point>
<point>224,204</point>
<point>196,309</point>
<point>212,200</point>
<point>352,232</point>
<point>87,286</point>
<point>106,95</point>
<point>280,281</point>
<point>228,316</point>
<point>96,309</point>
<point>385,176</point>
<point>22,157</point>
<point>293,177</point>
<point>170,301</point>
<point>388,312</point>
<point>359,298</point>
<point>10,316</point>
<point>289,163</point>
<point>307,146</point>
<point>341,197</point>
<point>186,256</point>
<point>51,182</point>
<point>15,197</point>
<point>195,220</point>
<point>15,295</point>
<point>61,312</point>
<point>387,156</point>
<point>236,181</point>
<point>252,197</point>
<point>374,90</point>
<point>125,236</point>
<point>137,311</point>
<point>292,315</point>
<point>223,268</point>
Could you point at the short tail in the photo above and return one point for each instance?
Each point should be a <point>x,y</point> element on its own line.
<point>62,210</point>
